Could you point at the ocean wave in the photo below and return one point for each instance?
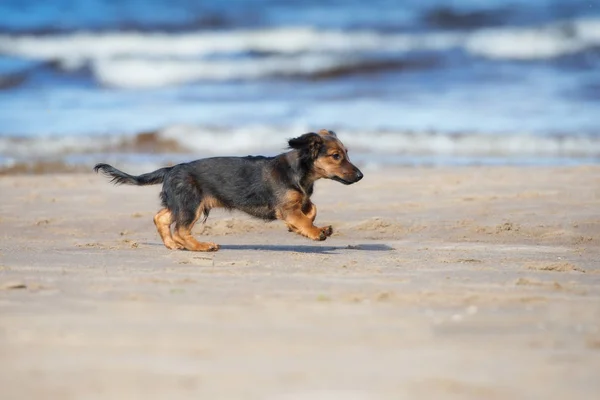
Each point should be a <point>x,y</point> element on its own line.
<point>132,60</point>
<point>537,43</point>
<point>207,141</point>
<point>144,73</point>
<point>86,46</point>
<point>158,59</point>
<point>563,36</point>
<point>136,73</point>
<point>259,138</point>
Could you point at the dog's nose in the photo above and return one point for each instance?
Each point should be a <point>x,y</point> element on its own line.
<point>359,175</point>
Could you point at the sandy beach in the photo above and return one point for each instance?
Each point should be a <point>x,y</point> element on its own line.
<point>466,283</point>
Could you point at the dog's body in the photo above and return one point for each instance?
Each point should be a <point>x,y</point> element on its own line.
<point>265,187</point>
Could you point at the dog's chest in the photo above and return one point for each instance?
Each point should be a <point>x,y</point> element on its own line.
<point>260,205</point>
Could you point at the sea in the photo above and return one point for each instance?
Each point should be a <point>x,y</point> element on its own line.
<point>413,82</point>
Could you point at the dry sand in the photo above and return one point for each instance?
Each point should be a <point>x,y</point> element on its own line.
<point>470,283</point>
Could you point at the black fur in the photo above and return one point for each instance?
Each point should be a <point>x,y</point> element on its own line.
<point>250,184</point>
<point>121,178</point>
<point>309,144</point>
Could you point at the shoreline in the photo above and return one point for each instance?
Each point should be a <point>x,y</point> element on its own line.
<point>377,148</point>
<point>460,282</point>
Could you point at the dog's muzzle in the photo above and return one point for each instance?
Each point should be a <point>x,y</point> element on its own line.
<point>349,180</point>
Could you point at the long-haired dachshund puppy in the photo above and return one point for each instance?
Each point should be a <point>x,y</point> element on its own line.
<point>265,187</point>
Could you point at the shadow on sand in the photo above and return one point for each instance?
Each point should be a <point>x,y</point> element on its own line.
<point>307,248</point>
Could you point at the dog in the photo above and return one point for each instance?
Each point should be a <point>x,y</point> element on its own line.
<point>268,188</point>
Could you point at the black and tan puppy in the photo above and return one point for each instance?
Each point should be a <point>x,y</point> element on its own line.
<point>265,187</point>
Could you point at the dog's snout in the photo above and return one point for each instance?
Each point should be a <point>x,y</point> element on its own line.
<point>358,175</point>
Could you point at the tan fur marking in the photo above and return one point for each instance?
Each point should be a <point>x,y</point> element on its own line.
<point>163,220</point>
<point>209,203</point>
<point>301,224</point>
<point>310,210</point>
<point>183,235</point>
<point>296,220</point>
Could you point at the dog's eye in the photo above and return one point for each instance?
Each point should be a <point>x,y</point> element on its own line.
<point>336,156</point>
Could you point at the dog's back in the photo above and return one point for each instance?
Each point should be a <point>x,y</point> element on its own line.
<point>241,183</point>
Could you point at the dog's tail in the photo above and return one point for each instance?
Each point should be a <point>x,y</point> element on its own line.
<point>121,178</point>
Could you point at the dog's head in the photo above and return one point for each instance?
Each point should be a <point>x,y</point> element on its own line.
<point>328,156</point>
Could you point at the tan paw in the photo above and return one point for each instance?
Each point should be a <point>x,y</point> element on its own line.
<point>171,245</point>
<point>324,232</point>
<point>207,246</point>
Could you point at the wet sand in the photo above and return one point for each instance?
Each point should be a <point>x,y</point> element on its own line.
<point>467,283</point>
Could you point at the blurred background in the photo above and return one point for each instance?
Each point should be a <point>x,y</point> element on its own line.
<point>413,82</point>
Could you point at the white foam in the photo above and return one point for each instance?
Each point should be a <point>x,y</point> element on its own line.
<point>82,46</point>
<point>51,146</point>
<point>136,73</point>
<point>476,144</point>
<point>252,139</point>
<point>535,43</point>
<point>157,59</point>
<point>547,40</point>
<point>150,60</point>
<point>206,141</point>
<point>588,29</point>
<point>257,139</point>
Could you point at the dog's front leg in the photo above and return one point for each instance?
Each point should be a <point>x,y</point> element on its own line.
<point>310,210</point>
<point>302,224</point>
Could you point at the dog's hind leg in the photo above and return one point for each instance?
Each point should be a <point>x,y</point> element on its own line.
<point>163,220</point>
<point>183,235</point>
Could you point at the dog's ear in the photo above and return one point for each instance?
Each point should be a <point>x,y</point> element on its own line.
<point>309,142</point>
<point>327,132</point>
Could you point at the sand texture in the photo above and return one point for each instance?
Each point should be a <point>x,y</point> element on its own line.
<point>466,283</point>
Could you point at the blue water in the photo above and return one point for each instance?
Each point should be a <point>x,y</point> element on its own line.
<point>467,67</point>
<point>22,16</point>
